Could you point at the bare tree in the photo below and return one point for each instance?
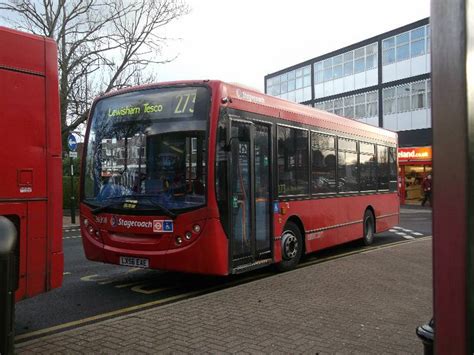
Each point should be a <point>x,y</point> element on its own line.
<point>102,44</point>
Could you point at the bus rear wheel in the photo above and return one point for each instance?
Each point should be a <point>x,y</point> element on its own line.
<point>291,247</point>
<point>369,227</point>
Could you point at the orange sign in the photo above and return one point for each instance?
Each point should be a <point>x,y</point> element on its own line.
<point>414,154</point>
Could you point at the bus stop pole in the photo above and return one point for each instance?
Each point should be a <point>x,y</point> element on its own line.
<point>8,282</point>
<point>73,202</point>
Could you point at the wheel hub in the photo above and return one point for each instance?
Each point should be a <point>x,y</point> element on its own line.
<point>289,245</point>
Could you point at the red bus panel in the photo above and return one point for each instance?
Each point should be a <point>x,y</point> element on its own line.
<point>31,189</point>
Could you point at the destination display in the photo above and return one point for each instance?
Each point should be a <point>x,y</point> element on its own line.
<point>152,104</point>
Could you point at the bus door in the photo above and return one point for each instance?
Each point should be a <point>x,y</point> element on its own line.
<point>250,195</point>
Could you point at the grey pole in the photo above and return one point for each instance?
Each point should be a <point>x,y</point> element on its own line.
<point>8,284</point>
<point>73,199</point>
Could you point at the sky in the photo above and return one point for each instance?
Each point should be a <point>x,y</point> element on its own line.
<point>242,41</point>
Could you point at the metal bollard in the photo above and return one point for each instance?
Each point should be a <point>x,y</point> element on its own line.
<point>426,333</point>
<point>8,284</point>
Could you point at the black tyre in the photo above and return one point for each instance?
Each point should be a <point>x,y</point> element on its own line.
<point>369,227</point>
<point>291,247</point>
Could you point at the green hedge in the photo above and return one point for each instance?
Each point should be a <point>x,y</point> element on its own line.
<point>67,191</point>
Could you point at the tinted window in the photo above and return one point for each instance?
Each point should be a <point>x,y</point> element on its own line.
<point>382,167</point>
<point>389,56</point>
<point>337,71</point>
<point>328,74</point>
<point>403,52</point>
<point>359,65</point>
<point>388,43</point>
<point>348,68</point>
<point>348,176</point>
<point>367,148</point>
<point>418,48</point>
<point>371,61</point>
<point>292,161</point>
<point>323,166</point>
<point>347,144</point>
<point>368,167</point>
<point>347,170</point>
<point>392,160</point>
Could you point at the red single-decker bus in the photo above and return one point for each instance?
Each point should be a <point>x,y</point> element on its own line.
<point>214,178</point>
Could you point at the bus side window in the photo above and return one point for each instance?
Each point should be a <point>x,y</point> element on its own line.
<point>382,168</point>
<point>348,175</point>
<point>392,162</point>
<point>292,161</point>
<point>323,163</point>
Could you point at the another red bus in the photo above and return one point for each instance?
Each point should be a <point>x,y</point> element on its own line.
<point>30,158</point>
<point>210,177</point>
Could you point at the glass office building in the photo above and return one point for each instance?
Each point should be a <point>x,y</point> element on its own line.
<point>383,81</point>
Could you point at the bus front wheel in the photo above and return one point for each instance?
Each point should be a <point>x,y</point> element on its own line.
<point>291,247</point>
<point>369,227</point>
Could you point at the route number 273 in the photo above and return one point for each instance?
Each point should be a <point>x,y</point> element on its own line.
<point>185,103</point>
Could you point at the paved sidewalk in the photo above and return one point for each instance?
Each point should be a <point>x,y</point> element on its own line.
<point>364,303</point>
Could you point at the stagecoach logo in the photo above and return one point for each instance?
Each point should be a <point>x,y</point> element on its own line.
<point>158,226</point>
<point>249,97</point>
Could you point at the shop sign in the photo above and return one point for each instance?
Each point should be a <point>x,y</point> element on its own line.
<point>414,154</point>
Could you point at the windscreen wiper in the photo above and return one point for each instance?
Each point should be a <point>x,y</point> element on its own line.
<point>125,198</point>
<point>102,208</point>
<point>162,208</point>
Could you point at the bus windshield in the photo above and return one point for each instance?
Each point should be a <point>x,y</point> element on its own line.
<point>146,150</point>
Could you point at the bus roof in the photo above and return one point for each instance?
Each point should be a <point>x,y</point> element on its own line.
<point>251,100</point>
<point>16,44</point>
<point>294,112</point>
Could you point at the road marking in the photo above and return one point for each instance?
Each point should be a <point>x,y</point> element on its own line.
<point>129,284</point>
<point>414,211</point>
<point>101,280</point>
<point>406,236</point>
<point>72,237</point>
<point>66,273</point>
<point>134,269</point>
<point>139,289</point>
<point>105,282</point>
<point>403,232</point>
<point>93,278</point>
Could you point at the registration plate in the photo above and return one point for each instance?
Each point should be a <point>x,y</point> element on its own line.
<point>135,262</point>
